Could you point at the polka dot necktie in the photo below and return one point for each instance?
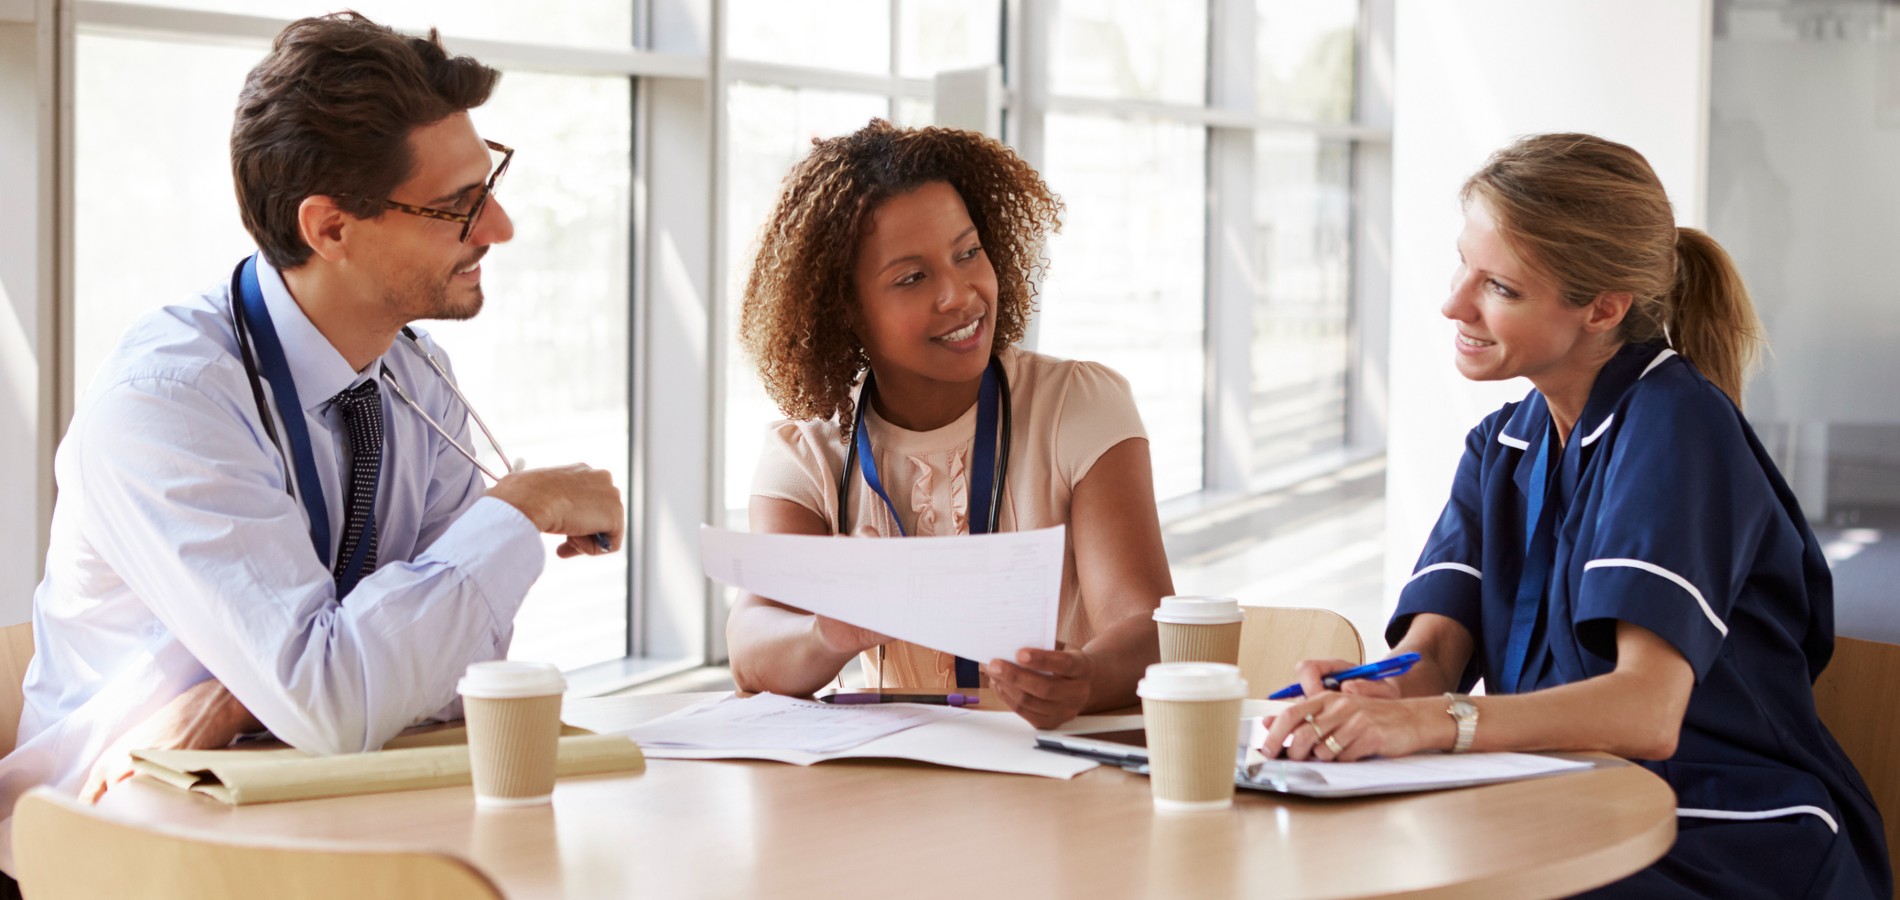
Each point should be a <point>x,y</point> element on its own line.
<point>362,411</point>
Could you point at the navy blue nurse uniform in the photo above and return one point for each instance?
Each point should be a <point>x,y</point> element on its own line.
<point>1665,512</point>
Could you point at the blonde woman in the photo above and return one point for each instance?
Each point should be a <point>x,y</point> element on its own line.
<point>891,285</point>
<point>1619,562</point>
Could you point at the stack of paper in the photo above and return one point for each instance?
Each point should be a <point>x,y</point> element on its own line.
<point>772,722</point>
<point>995,741</point>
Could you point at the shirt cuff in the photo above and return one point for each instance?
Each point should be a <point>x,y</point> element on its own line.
<point>499,550</point>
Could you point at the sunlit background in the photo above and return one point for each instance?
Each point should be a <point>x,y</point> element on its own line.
<point>1228,170</point>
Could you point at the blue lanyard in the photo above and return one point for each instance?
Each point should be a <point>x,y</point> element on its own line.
<point>984,504</point>
<point>276,369</point>
<point>1539,549</point>
<point>982,469</point>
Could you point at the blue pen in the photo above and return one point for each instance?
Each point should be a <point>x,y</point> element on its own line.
<point>1385,668</point>
<point>602,541</point>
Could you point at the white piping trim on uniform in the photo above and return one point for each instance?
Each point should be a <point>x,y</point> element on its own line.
<point>1654,569</point>
<point>1592,437</point>
<point>1657,361</point>
<point>1763,814</point>
<point>1456,567</point>
<point>1509,441</point>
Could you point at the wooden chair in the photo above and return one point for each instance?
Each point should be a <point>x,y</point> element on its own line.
<point>65,849</point>
<point>1275,637</point>
<point>16,649</point>
<point>1855,699</point>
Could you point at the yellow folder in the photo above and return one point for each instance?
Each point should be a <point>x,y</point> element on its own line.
<point>430,759</point>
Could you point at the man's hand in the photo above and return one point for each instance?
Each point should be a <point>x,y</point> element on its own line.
<point>576,501</point>
<point>204,717</point>
<point>1046,687</point>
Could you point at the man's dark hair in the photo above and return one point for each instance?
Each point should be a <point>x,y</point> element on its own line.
<point>329,112</point>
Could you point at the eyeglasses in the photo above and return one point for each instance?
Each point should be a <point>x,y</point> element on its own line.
<point>468,219</point>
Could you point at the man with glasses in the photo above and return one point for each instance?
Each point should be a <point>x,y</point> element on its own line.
<point>269,512</point>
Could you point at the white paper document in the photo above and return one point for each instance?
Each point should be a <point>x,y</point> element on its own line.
<point>981,597</point>
<point>1426,771</point>
<point>994,741</point>
<point>772,722</point>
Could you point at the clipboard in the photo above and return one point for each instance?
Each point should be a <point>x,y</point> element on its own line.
<point>1127,748</point>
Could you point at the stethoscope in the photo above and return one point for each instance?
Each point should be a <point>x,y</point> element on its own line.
<point>990,464</point>
<point>247,304</point>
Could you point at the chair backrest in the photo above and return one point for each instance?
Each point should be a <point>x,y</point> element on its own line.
<point>16,649</point>
<point>1275,637</point>
<point>65,849</point>
<point>1855,699</point>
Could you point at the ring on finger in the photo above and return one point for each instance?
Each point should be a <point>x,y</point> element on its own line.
<point>1332,743</point>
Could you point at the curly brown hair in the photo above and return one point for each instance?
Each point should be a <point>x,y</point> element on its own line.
<point>798,321</point>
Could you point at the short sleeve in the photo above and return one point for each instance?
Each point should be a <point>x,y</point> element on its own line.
<point>791,468</point>
<point>1448,579</point>
<point>1683,508</point>
<point>1098,411</point>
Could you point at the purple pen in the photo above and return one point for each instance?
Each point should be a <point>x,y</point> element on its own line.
<point>938,699</point>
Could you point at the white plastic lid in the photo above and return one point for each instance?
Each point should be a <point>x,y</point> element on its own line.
<point>1192,681</point>
<point>1198,610</point>
<point>505,679</point>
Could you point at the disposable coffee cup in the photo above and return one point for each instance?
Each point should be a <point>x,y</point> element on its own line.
<point>1192,715</point>
<point>1199,629</point>
<point>514,729</point>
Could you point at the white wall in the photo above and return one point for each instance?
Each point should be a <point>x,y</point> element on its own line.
<point>1804,191</point>
<point>1471,75</point>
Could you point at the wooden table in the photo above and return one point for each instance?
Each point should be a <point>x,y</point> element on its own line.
<point>762,829</point>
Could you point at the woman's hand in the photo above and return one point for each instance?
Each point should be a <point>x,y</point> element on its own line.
<point>839,637</point>
<point>1308,673</point>
<point>1360,726</point>
<point>1046,687</point>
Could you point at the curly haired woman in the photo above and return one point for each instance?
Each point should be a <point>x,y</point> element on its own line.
<point>905,259</point>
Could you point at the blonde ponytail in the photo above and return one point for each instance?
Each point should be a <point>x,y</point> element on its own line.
<point>1712,321</point>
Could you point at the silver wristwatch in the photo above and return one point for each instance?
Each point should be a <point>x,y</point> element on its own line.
<point>1465,713</point>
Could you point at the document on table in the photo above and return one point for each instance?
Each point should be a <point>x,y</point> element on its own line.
<point>993,741</point>
<point>1426,771</point>
<point>772,722</point>
<point>981,597</point>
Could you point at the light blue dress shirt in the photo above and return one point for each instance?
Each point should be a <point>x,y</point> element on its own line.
<point>177,555</point>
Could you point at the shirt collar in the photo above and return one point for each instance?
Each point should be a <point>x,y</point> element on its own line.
<point>1530,421</point>
<point>315,365</point>
<point>1613,381</point>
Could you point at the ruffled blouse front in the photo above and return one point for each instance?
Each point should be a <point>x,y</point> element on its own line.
<point>926,473</point>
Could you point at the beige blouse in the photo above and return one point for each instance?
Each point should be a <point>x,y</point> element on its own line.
<point>1066,414</point>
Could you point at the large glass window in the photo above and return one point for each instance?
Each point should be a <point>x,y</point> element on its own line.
<point>1304,57</point>
<point>1126,283</point>
<point>1130,49</point>
<point>935,35</point>
<point>156,217</point>
<point>853,35</point>
<point>1301,266</point>
<point>593,23</point>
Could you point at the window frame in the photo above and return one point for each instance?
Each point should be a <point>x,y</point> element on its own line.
<point>679,336</point>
